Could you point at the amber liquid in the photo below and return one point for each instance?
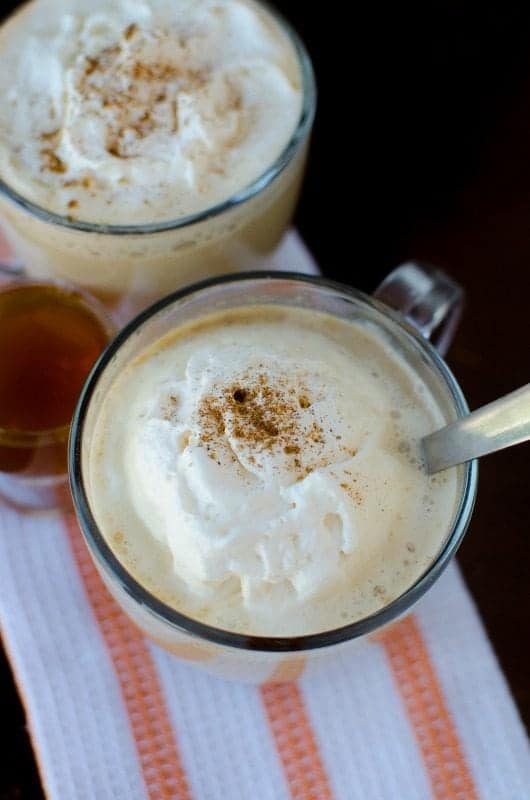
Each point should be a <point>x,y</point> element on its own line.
<point>49,340</point>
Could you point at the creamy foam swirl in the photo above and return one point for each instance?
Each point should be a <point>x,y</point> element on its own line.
<point>261,472</point>
<point>141,111</point>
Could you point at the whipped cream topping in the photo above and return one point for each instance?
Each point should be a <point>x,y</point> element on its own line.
<point>142,111</point>
<point>276,469</point>
<point>242,463</point>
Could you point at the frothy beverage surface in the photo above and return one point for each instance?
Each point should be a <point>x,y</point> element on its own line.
<point>140,111</point>
<point>258,470</point>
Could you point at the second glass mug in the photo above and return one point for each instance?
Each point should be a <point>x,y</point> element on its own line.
<point>127,267</point>
<point>427,304</point>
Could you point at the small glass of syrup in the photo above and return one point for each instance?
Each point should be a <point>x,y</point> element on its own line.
<point>50,337</point>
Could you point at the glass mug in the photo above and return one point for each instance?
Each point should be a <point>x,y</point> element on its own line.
<point>128,267</point>
<point>50,336</point>
<point>429,299</point>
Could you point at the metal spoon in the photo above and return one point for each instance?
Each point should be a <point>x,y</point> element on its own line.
<point>500,424</point>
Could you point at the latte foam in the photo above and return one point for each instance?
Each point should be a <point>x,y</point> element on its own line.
<point>260,471</point>
<point>139,111</point>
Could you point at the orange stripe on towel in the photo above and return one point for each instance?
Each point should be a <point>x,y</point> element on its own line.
<point>290,669</point>
<point>434,729</point>
<point>160,762</point>
<point>295,742</point>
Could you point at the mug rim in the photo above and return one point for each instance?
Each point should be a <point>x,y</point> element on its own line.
<point>104,556</point>
<point>255,187</point>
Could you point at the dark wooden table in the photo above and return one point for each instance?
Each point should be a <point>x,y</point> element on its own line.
<point>422,149</point>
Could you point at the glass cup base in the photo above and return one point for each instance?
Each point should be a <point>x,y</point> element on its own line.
<point>30,494</point>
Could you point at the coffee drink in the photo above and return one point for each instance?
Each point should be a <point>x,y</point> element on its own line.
<point>258,469</point>
<point>121,121</point>
<point>142,113</point>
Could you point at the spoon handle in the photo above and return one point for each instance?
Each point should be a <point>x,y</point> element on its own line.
<point>500,424</point>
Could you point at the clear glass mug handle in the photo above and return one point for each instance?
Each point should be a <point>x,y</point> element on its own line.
<point>427,297</point>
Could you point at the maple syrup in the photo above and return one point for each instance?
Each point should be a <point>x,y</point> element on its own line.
<point>50,337</point>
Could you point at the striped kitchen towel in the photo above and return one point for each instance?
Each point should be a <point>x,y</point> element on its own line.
<point>420,711</point>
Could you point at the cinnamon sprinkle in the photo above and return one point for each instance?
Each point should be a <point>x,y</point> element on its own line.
<point>135,90</point>
<point>353,492</point>
<point>50,136</point>
<point>263,417</point>
<point>130,31</point>
<point>51,161</point>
